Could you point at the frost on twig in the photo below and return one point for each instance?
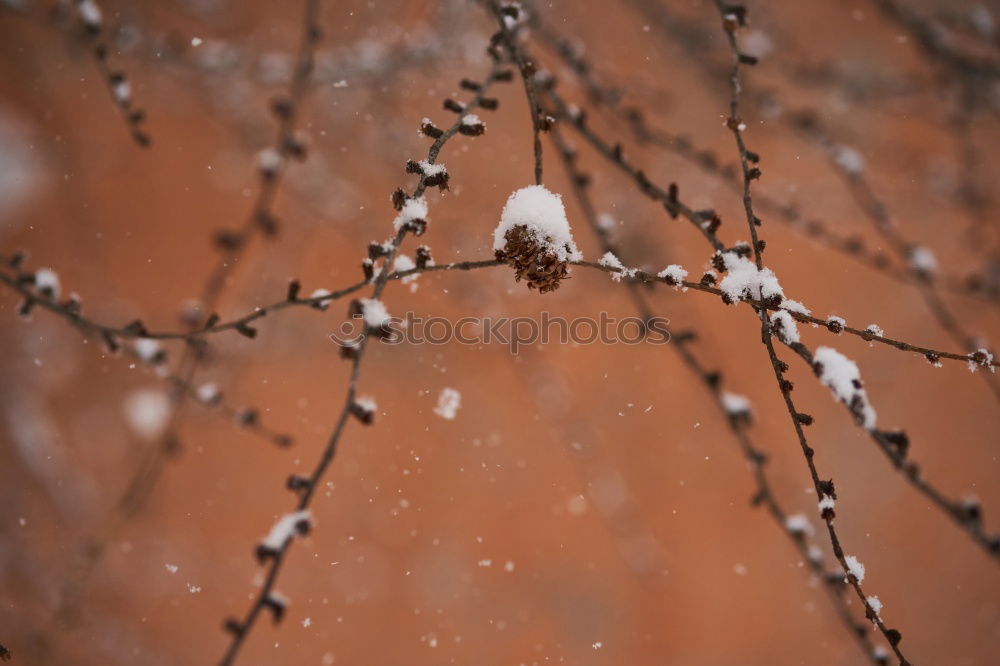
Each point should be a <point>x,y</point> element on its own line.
<point>743,281</point>
<point>981,358</point>
<point>288,526</point>
<point>737,407</point>
<point>209,393</point>
<point>432,175</point>
<point>855,568</point>
<point>471,125</point>
<point>784,327</point>
<point>364,409</point>
<point>149,351</point>
<point>47,283</point>
<point>269,162</point>
<point>796,307</point>
<point>874,606</point>
<point>91,18</point>
<point>609,260</point>
<point>412,215</point>
<point>674,274</point>
<point>403,263</point>
<point>373,314</point>
<point>826,507</point>
<point>319,298</point>
<point>276,603</point>
<point>799,525</point>
<point>923,261</point>
<point>848,159</point>
<point>873,330</point>
<point>843,378</point>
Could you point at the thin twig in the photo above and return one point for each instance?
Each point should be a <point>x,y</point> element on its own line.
<point>242,323</point>
<point>90,17</point>
<point>935,42</point>
<point>732,19</point>
<point>878,214</point>
<point>240,629</point>
<point>706,222</point>
<point>509,18</point>
<point>712,381</point>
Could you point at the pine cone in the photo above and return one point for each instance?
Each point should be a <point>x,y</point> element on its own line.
<point>532,261</point>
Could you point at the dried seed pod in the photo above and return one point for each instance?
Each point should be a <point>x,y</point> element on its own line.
<point>424,257</point>
<point>398,198</point>
<point>297,482</point>
<point>368,268</point>
<point>276,605</point>
<point>228,240</point>
<point>532,261</point>
<point>233,626</point>
<point>427,128</point>
<point>363,409</point>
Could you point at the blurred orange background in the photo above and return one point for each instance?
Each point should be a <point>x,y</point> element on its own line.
<point>587,505</point>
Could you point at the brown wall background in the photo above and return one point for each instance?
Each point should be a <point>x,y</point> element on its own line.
<point>601,472</point>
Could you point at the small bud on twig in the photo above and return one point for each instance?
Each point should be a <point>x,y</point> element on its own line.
<point>364,410</point>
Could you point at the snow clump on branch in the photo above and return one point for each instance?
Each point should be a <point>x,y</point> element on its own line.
<point>841,375</point>
<point>534,238</point>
